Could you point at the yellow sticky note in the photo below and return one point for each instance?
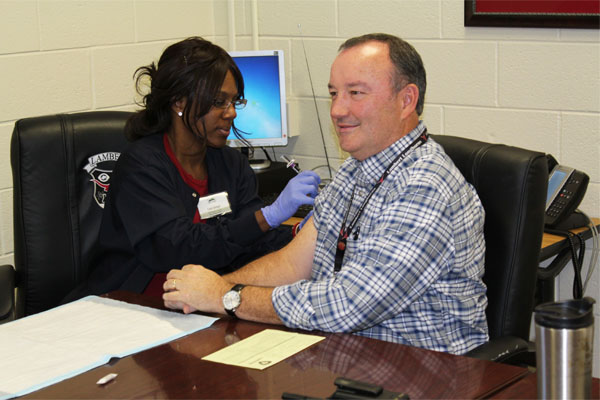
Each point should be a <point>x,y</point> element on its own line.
<point>263,349</point>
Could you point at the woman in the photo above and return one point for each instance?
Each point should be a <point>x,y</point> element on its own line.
<point>154,220</point>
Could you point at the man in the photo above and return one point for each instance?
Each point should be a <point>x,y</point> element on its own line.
<point>395,249</point>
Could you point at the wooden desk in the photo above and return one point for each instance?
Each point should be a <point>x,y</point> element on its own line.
<point>175,369</point>
<point>526,388</point>
<point>553,244</point>
<point>292,221</point>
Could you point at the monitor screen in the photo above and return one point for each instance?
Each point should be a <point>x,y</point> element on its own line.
<point>264,118</point>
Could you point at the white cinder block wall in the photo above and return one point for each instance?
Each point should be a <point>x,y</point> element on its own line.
<point>528,87</point>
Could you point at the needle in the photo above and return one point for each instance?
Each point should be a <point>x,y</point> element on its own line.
<point>291,164</point>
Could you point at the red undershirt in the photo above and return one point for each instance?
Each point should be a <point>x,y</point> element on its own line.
<point>155,287</point>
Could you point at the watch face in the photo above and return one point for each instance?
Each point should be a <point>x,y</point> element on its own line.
<point>232,300</point>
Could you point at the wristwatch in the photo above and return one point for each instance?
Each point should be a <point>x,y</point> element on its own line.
<point>232,299</point>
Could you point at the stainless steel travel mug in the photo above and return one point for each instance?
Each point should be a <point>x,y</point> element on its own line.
<point>564,339</point>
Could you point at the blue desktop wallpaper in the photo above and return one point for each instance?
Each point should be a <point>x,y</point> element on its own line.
<point>261,117</point>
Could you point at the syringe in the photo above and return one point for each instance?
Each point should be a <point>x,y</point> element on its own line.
<point>291,164</point>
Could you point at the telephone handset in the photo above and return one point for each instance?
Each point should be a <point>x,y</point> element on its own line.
<point>566,188</point>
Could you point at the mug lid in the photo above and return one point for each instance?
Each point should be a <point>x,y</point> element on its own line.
<point>568,314</point>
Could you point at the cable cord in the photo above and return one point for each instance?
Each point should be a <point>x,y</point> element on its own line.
<point>266,153</point>
<point>324,181</point>
<point>315,101</point>
<point>576,259</point>
<point>595,250</point>
<point>577,265</point>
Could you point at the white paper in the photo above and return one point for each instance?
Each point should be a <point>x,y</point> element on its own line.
<point>264,349</point>
<point>49,347</point>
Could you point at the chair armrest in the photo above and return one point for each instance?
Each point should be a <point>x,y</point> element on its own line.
<point>7,293</point>
<point>504,349</point>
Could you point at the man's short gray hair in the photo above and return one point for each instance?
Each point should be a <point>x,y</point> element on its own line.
<point>407,62</point>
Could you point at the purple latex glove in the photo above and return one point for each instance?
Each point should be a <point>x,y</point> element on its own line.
<point>301,189</point>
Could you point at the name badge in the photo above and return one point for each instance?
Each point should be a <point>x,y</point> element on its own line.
<point>213,205</point>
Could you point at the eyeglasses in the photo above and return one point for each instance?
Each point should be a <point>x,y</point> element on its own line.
<point>238,104</point>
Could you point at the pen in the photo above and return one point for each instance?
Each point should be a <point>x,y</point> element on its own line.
<point>291,164</point>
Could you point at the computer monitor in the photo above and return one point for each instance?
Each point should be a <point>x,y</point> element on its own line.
<point>264,119</point>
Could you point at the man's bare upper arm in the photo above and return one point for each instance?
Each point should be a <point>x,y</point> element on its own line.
<point>288,265</point>
<point>301,250</point>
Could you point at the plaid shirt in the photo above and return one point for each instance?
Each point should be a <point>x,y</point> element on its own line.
<point>413,274</point>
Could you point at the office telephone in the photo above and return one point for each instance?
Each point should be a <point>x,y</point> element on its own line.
<point>566,188</point>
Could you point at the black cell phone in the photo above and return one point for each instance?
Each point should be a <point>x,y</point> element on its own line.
<point>351,389</point>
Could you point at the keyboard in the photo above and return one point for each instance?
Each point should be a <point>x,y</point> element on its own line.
<point>302,211</point>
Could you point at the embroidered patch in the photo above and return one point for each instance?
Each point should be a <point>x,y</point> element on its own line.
<point>100,169</point>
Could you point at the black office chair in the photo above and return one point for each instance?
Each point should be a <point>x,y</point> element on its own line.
<point>61,169</point>
<point>512,184</point>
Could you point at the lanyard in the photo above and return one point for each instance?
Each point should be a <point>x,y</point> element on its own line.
<point>346,230</point>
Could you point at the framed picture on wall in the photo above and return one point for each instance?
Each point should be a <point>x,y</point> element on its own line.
<point>533,13</point>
